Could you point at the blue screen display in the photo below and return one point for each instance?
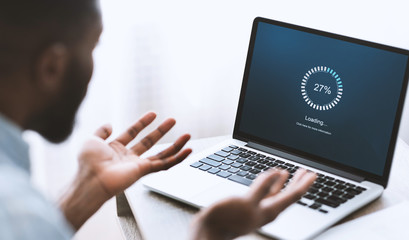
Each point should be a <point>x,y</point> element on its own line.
<point>323,96</point>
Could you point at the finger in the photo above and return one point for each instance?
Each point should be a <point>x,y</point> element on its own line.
<point>104,132</point>
<point>136,128</point>
<point>295,190</point>
<point>298,175</point>
<point>147,142</point>
<point>274,205</point>
<point>163,164</point>
<point>172,150</point>
<point>280,183</point>
<point>262,185</point>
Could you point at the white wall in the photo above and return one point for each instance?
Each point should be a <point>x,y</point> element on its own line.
<point>186,58</point>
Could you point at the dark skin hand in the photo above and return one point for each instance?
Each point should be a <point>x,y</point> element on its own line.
<point>108,168</point>
<point>236,216</point>
<point>118,167</point>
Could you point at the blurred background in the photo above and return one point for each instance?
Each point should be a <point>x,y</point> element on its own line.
<point>185,59</point>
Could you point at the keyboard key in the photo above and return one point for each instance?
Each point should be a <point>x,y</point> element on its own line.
<point>216,158</point>
<point>336,199</point>
<point>312,190</point>
<point>224,167</point>
<point>270,158</point>
<point>329,178</point>
<point>352,191</point>
<point>348,196</point>
<point>340,186</point>
<point>292,170</point>
<point>260,155</point>
<point>233,157</point>
<point>327,189</point>
<point>279,161</point>
<point>241,180</point>
<point>222,154</point>
<point>235,152</point>
<point>245,168</point>
<point>262,161</point>
<point>233,146</point>
<point>213,171</point>
<point>361,189</point>
<point>260,166</point>
<point>301,203</point>
<point>233,170</point>
<point>350,185</point>
<point>236,165</point>
<point>251,152</point>
<point>251,176</point>
<point>205,167</point>
<point>242,173</point>
<point>224,174</point>
<point>196,164</point>
<point>320,180</point>
<point>339,181</point>
<point>289,165</point>
<point>318,185</point>
<point>255,171</point>
<point>327,202</point>
<point>244,155</point>
<point>210,162</point>
<point>272,164</point>
<point>227,162</point>
<point>254,158</point>
<point>250,163</point>
<point>310,196</point>
<point>241,160</point>
<point>323,211</point>
<point>322,194</point>
<point>337,193</point>
<point>330,183</point>
<point>242,149</point>
<point>315,206</point>
<point>227,149</point>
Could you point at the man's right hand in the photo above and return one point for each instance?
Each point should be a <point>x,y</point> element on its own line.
<point>107,168</point>
<point>237,216</point>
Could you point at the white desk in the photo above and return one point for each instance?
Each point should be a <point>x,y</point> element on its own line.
<point>158,217</point>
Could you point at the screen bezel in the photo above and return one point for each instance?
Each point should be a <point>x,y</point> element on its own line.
<point>379,179</point>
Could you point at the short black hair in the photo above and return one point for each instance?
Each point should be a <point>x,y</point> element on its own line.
<point>26,26</point>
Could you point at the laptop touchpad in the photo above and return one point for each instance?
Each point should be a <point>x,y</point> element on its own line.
<point>218,192</point>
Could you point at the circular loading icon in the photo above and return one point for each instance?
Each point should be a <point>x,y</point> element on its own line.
<point>322,88</point>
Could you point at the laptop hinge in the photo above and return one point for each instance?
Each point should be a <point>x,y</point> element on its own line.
<point>305,162</point>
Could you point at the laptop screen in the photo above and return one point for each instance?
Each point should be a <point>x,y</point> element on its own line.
<point>323,96</point>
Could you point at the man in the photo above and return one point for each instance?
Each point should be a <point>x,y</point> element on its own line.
<point>45,66</point>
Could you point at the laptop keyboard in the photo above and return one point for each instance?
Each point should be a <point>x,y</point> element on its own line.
<point>242,165</point>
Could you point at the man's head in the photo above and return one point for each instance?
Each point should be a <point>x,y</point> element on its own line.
<point>46,61</point>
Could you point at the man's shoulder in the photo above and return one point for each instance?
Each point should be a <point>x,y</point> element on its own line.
<point>24,212</point>
<point>15,182</point>
<point>17,194</point>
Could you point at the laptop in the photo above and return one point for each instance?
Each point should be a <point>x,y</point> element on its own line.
<point>309,99</point>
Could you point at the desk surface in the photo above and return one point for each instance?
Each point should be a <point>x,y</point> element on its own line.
<point>159,217</point>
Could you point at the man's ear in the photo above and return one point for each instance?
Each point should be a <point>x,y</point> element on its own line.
<point>51,65</point>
